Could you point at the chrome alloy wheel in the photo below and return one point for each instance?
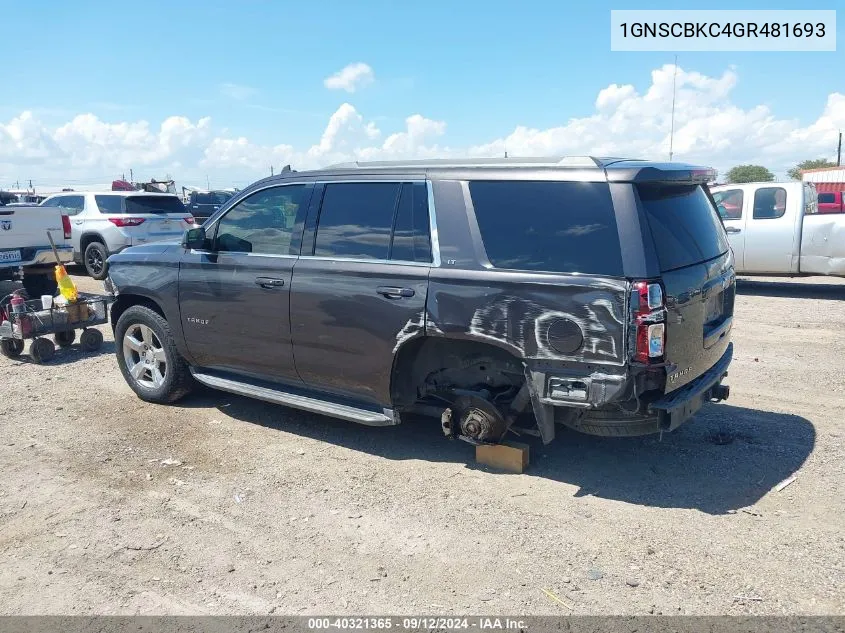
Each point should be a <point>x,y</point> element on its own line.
<point>144,356</point>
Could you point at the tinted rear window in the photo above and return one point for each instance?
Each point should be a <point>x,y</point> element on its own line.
<point>685,226</point>
<point>135,205</point>
<point>827,198</point>
<point>567,227</point>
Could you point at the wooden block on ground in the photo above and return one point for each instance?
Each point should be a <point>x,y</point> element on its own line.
<point>510,456</point>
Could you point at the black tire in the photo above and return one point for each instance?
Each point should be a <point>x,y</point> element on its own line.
<point>95,260</point>
<point>177,380</point>
<point>615,423</point>
<point>42,350</point>
<point>39,284</point>
<point>91,340</point>
<point>11,347</point>
<point>65,338</point>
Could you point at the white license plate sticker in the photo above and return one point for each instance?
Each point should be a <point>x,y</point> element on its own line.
<point>10,256</point>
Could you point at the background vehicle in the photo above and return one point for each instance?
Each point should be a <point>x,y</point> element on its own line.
<point>779,230</point>
<point>831,202</point>
<point>203,204</point>
<point>25,250</point>
<point>596,292</point>
<point>106,223</point>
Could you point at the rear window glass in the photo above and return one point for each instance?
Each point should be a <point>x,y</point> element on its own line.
<point>567,227</point>
<point>827,198</point>
<point>154,204</point>
<point>685,226</point>
<point>139,204</point>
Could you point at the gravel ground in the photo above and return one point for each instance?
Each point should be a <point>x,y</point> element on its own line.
<point>223,505</point>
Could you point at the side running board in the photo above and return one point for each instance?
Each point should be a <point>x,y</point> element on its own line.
<point>305,403</point>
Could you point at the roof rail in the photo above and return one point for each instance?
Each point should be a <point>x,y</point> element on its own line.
<point>543,161</point>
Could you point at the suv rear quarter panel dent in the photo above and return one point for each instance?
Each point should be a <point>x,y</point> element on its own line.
<point>515,310</point>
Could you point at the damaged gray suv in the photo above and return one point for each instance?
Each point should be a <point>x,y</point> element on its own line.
<point>494,295</point>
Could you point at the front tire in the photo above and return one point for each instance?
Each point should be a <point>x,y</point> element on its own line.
<point>95,260</point>
<point>148,358</point>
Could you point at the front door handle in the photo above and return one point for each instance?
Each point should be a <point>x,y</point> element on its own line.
<point>395,293</point>
<point>732,229</point>
<point>269,282</point>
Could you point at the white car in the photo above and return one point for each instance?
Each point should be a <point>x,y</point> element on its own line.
<point>104,223</point>
<point>25,250</point>
<point>775,228</point>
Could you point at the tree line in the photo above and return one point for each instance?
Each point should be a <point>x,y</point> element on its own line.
<point>758,173</point>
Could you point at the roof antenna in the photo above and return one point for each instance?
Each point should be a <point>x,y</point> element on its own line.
<point>672,128</point>
<point>286,168</point>
<point>506,154</point>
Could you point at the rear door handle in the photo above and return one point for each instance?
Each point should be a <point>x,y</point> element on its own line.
<point>269,282</point>
<point>732,229</point>
<point>392,292</point>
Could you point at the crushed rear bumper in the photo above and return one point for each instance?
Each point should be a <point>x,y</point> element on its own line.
<point>676,407</point>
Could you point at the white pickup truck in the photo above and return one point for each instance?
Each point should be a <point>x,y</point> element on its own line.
<point>775,228</point>
<point>25,251</point>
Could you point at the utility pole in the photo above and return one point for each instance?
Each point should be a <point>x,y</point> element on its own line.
<point>131,176</point>
<point>207,183</point>
<point>672,125</point>
<point>839,152</point>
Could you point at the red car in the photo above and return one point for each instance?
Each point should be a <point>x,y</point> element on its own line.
<point>831,202</point>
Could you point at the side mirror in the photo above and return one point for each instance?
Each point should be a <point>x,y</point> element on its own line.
<point>194,239</point>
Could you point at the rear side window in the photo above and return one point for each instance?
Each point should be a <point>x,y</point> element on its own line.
<point>827,198</point>
<point>684,225</point>
<point>729,203</point>
<point>356,220</point>
<point>374,220</point>
<point>411,241</point>
<point>567,227</point>
<point>769,203</point>
<point>109,204</point>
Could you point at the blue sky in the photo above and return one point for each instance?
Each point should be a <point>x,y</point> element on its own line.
<point>483,68</point>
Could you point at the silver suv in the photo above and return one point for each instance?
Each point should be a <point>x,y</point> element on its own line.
<point>105,223</point>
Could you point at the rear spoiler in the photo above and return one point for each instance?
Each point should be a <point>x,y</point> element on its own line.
<point>669,173</point>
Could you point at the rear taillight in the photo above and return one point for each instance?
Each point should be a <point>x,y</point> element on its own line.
<point>66,226</point>
<point>649,319</point>
<point>190,220</point>
<point>126,221</point>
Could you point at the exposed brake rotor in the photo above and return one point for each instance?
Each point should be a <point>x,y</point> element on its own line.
<point>475,419</point>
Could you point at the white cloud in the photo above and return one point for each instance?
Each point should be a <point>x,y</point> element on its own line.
<point>709,129</point>
<point>237,92</point>
<point>351,78</point>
